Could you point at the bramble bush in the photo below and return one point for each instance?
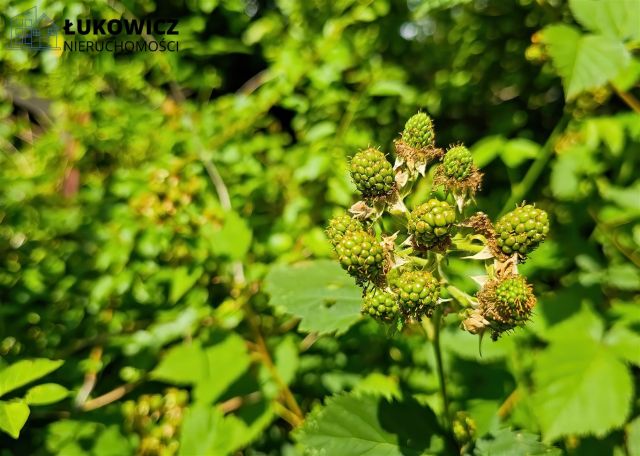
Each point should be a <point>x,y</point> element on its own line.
<point>184,267</point>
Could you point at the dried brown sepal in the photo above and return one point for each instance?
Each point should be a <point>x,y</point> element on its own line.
<point>481,224</point>
<point>475,323</point>
<point>362,211</point>
<point>416,160</point>
<point>467,186</point>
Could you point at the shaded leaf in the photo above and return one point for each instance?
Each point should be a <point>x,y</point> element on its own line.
<point>350,425</point>
<point>507,442</point>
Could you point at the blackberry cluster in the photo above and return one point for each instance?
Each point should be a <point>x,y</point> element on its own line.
<point>418,131</point>
<point>522,230</point>
<point>402,273</point>
<point>157,420</point>
<point>418,292</point>
<point>381,305</point>
<point>372,173</point>
<point>431,222</point>
<point>361,255</point>
<point>458,163</point>
<point>340,225</point>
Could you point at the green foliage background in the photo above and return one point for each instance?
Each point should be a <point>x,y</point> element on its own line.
<point>151,205</point>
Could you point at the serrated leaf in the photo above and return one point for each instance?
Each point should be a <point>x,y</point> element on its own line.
<point>584,62</point>
<point>349,425</point>
<point>207,431</point>
<point>506,442</point>
<point>13,416</point>
<point>26,371</point>
<point>320,293</point>
<point>47,393</point>
<point>581,388</point>
<point>376,384</point>
<point>615,18</point>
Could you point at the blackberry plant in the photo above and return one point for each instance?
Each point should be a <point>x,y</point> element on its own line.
<point>399,255</point>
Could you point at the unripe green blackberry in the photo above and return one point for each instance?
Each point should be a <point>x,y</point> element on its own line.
<point>431,222</point>
<point>418,292</point>
<point>361,255</point>
<point>418,131</point>
<point>458,163</point>
<point>381,305</point>
<point>522,230</point>
<point>339,225</point>
<point>372,173</point>
<point>506,303</point>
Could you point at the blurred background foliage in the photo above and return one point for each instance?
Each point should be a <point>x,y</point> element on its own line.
<point>144,197</point>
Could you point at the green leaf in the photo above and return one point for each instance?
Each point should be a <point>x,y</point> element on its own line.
<point>376,384</point>
<point>506,442</point>
<point>211,370</point>
<point>320,293</point>
<point>207,431</point>
<point>487,149</point>
<point>614,18</point>
<point>517,151</point>
<point>13,415</point>
<point>182,281</point>
<point>581,388</point>
<point>633,437</point>
<point>233,239</point>
<point>224,363</point>
<point>584,62</point>
<point>625,343</point>
<point>47,393</point>
<point>369,425</point>
<point>182,365</point>
<point>26,371</point>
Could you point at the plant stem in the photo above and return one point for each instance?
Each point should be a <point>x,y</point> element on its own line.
<point>629,99</point>
<point>437,324</point>
<point>536,168</point>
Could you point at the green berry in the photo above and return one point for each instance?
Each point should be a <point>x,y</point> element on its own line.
<point>522,230</point>
<point>418,131</point>
<point>506,303</point>
<point>418,292</point>
<point>458,163</point>
<point>372,173</point>
<point>381,305</point>
<point>431,222</point>
<point>361,255</point>
<point>341,224</point>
